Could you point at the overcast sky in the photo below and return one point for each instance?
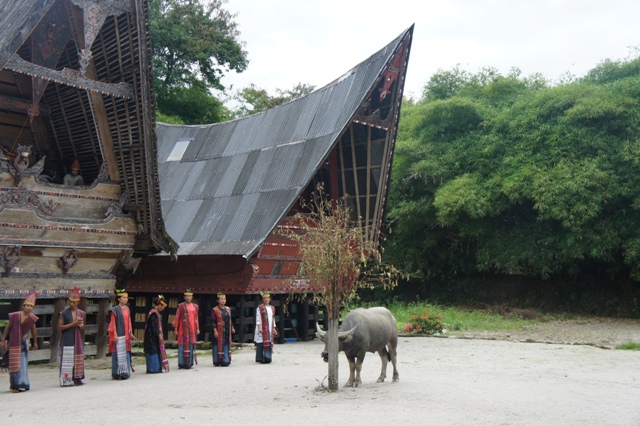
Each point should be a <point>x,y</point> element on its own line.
<point>316,41</point>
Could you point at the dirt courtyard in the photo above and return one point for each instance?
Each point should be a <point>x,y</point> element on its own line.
<point>443,381</point>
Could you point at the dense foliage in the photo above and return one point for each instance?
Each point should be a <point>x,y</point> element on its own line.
<point>509,175</point>
<point>195,43</point>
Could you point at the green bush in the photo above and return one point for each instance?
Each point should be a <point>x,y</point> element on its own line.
<point>425,323</point>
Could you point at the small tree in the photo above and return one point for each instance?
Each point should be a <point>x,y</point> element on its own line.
<point>337,260</point>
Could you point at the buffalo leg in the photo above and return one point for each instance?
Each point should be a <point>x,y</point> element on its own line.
<point>359,368</point>
<point>393,345</point>
<point>384,357</point>
<point>352,368</point>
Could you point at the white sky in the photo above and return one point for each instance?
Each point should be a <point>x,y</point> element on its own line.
<point>316,41</point>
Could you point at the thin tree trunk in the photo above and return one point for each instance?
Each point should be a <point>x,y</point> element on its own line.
<point>332,347</point>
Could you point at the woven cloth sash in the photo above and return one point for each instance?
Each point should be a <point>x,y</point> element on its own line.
<point>121,353</point>
<point>66,366</point>
<point>266,332</point>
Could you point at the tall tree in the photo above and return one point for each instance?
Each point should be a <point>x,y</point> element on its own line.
<point>194,44</point>
<point>337,259</point>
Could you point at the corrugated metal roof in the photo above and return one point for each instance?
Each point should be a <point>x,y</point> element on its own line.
<point>235,181</point>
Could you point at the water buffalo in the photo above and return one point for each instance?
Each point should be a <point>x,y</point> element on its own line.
<point>367,330</point>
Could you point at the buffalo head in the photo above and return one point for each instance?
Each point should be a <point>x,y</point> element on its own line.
<point>343,336</point>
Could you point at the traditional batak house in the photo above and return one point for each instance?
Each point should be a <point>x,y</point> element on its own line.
<point>75,93</point>
<point>226,189</point>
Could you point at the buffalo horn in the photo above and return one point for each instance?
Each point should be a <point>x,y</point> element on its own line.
<point>345,334</point>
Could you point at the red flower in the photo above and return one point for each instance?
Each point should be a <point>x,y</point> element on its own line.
<point>408,328</point>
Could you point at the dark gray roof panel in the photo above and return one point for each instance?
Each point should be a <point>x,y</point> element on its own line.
<point>173,177</point>
<point>199,227</point>
<point>316,148</point>
<point>180,217</point>
<point>224,187</point>
<point>222,231</point>
<point>227,182</point>
<point>239,140</point>
<point>240,217</point>
<point>218,169</point>
<point>268,210</point>
<point>192,170</point>
<point>247,170</point>
<point>327,115</point>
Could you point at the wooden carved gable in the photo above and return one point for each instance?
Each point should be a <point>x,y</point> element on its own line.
<point>47,45</point>
<point>49,39</point>
<point>95,12</point>
<point>380,109</point>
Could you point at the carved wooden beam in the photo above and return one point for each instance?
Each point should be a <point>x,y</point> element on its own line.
<point>22,106</point>
<point>24,198</point>
<point>70,78</point>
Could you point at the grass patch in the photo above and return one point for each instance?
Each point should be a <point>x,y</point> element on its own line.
<point>456,318</point>
<point>629,346</point>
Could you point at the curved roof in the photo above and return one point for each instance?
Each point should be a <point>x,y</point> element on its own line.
<point>224,187</point>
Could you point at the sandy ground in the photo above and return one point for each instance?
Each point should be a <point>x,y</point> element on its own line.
<point>443,381</point>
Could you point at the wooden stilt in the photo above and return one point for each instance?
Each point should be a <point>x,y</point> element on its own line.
<point>101,338</point>
<point>54,343</point>
<point>83,306</point>
<point>303,321</point>
<point>241,319</point>
<point>280,313</point>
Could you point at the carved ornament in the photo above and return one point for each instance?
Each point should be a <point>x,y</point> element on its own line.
<point>21,162</point>
<point>10,258</point>
<point>103,174</point>
<point>369,112</point>
<point>68,260</point>
<point>115,209</point>
<point>24,198</point>
<point>95,13</point>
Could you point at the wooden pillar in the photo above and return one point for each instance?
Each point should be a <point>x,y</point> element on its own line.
<point>83,306</point>
<point>280,325</point>
<point>101,339</point>
<point>54,343</point>
<point>303,319</point>
<point>242,318</point>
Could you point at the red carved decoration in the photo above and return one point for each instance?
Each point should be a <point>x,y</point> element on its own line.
<point>391,74</point>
